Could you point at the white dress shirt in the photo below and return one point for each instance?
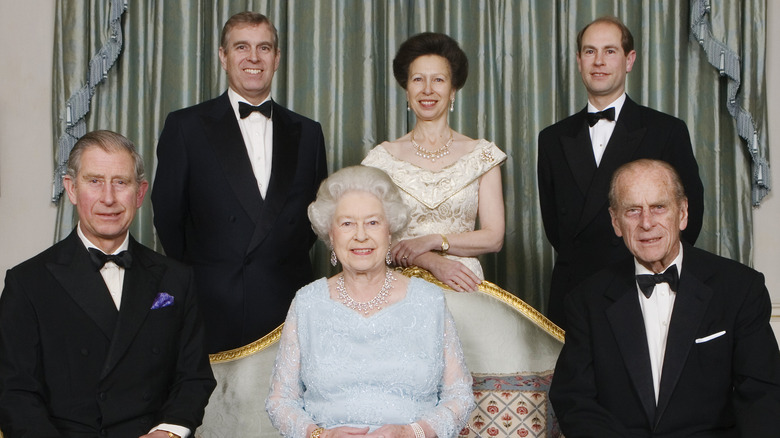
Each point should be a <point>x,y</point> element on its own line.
<point>113,275</point>
<point>601,132</point>
<point>657,314</point>
<point>258,133</point>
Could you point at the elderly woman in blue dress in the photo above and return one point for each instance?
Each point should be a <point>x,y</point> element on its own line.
<point>368,351</point>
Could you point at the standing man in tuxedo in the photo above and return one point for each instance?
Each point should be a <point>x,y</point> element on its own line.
<point>99,335</point>
<point>235,175</point>
<point>674,343</point>
<point>578,155</point>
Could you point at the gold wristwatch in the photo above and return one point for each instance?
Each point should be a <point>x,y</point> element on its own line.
<point>316,432</point>
<point>172,435</point>
<point>445,244</point>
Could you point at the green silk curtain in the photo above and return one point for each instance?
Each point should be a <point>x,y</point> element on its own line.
<point>336,68</point>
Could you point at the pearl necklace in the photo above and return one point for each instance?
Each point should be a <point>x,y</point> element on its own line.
<point>375,303</point>
<point>431,155</point>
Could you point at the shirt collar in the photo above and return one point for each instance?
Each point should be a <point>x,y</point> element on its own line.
<point>88,244</point>
<point>617,103</point>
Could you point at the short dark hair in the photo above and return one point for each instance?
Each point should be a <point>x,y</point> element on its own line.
<point>248,18</point>
<point>431,43</point>
<point>108,141</point>
<point>674,178</point>
<point>627,40</point>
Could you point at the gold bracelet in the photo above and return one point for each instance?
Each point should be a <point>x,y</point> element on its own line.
<point>316,432</point>
<point>172,435</point>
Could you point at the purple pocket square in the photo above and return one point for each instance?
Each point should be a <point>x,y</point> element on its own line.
<point>162,300</point>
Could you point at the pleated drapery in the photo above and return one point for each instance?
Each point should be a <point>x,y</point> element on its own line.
<point>336,68</point>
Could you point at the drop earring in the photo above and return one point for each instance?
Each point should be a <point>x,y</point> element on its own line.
<point>333,260</point>
<point>407,106</point>
<point>452,105</point>
<point>388,259</point>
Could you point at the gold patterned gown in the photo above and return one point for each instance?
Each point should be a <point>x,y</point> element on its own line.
<point>445,201</point>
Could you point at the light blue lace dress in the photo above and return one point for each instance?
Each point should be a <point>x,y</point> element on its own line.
<point>336,367</point>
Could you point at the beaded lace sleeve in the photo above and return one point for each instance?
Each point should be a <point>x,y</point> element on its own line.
<point>285,399</point>
<point>456,400</point>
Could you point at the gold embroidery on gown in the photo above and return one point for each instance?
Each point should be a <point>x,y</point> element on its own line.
<point>445,201</point>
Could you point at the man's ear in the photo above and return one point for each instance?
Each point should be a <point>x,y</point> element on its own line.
<point>70,188</point>
<point>613,216</point>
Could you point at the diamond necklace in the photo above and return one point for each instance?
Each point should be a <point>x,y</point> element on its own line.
<point>432,155</point>
<point>375,303</point>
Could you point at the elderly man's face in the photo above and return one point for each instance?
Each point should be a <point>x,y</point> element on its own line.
<point>360,233</point>
<point>106,196</point>
<point>648,217</point>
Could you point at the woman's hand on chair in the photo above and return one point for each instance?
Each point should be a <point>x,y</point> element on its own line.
<point>454,274</point>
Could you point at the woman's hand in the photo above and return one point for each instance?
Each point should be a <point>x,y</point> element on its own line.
<point>451,272</point>
<point>344,432</point>
<point>406,251</point>
<point>393,431</point>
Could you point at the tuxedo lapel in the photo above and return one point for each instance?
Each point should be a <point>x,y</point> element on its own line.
<point>287,135</point>
<point>224,135</point>
<point>625,319</point>
<point>77,275</point>
<point>579,153</point>
<point>622,146</point>
<point>138,293</point>
<point>690,305</point>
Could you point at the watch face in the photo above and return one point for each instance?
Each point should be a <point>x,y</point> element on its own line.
<point>445,246</point>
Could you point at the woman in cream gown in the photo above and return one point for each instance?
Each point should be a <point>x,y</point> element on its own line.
<point>446,178</point>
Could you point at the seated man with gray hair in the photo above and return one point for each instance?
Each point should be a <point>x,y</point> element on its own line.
<point>675,342</point>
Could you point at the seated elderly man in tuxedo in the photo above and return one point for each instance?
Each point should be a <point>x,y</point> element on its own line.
<point>674,343</point>
<point>99,335</point>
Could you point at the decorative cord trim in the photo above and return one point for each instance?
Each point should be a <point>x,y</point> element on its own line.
<point>729,65</point>
<point>78,104</point>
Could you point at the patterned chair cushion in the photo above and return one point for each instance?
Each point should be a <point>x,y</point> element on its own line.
<point>514,405</point>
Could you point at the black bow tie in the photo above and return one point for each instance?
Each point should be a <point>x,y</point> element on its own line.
<point>647,282</point>
<point>124,259</point>
<point>245,109</point>
<point>594,118</point>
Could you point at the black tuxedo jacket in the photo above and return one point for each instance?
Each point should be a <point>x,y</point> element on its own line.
<point>250,254</point>
<point>71,365</point>
<point>573,191</point>
<point>728,386</point>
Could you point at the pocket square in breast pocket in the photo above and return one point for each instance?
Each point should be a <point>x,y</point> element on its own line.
<point>710,337</point>
<point>162,300</point>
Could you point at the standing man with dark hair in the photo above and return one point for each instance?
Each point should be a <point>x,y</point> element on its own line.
<point>235,175</point>
<point>675,342</point>
<point>578,155</point>
<point>99,335</point>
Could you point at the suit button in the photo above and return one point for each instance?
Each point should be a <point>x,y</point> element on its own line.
<point>84,352</point>
<point>103,432</point>
<point>102,396</point>
<point>146,396</point>
<point>156,350</point>
<point>231,219</point>
<point>248,261</point>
